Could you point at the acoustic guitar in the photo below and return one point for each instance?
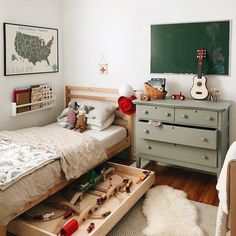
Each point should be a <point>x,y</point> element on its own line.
<point>199,89</point>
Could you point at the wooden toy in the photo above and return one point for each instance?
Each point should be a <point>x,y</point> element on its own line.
<point>214,95</point>
<point>178,96</point>
<point>143,175</point>
<point>69,228</point>
<point>97,202</point>
<point>91,227</point>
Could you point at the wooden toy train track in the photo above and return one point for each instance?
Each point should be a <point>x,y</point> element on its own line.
<point>74,193</point>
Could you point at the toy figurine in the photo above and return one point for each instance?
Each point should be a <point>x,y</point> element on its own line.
<point>214,95</point>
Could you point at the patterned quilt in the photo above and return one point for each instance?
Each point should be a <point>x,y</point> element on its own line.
<point>17,161</point>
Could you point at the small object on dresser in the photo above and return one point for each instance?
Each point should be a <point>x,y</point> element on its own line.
<point>178,96</point>
<point>145,97</point>
<point>214,95</point>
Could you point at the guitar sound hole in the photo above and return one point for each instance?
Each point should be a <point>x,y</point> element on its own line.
<point>199,84</point>
<point>198,92</point>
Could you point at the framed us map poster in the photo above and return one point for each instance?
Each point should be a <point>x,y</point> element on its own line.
<point>30,49</point>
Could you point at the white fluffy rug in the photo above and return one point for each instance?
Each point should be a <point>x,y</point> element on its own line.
<point>170,213</point>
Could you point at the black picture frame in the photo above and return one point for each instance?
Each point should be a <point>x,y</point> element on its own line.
<point>30,49</point>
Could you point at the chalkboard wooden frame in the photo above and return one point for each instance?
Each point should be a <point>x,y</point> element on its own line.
<point>174,47</point>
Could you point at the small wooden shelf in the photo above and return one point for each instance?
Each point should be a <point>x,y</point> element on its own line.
<point>51,103</point>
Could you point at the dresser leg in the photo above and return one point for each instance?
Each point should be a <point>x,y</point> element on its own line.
<point>138,162</point>
<point>3,230</point>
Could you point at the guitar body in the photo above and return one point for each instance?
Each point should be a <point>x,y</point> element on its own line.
<point>199,88</point>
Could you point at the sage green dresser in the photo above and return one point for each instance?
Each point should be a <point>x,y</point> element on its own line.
<point>189,133</point>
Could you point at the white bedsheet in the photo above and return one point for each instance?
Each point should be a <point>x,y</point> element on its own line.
<point>222,187</point>
<point>107,137</point>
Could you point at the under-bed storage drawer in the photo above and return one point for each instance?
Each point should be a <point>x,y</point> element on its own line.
<point>118,205</point>
<point>200,156</point>
<point>204,138</point>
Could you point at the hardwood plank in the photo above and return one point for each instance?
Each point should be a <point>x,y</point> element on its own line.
<point>200,187</point>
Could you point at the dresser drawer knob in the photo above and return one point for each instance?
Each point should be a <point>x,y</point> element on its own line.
<point>149,147</point>
<point>167,114</point>
<point>205,157</point>
<point>203,139</point>
<point>184,116</point>
<point>145,112</point>
<point>209,118</point>
<point>146,131</point>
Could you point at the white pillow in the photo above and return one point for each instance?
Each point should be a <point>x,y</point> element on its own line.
<point>106,124</point>
<point>101,112</point>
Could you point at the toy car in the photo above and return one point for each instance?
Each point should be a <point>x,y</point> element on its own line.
<point>91,227</point>
<point>178,96</point>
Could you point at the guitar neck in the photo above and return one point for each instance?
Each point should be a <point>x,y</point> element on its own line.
<point>199,70</point>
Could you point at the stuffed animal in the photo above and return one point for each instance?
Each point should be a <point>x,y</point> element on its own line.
<point>67,118</point>
<point>81,122</point>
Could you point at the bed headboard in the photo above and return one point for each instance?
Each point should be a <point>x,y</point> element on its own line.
<point>102,94</point>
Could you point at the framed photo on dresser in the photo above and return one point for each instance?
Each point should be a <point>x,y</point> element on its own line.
<point>30,49</point>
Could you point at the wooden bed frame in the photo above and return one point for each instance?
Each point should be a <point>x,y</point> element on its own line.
<point>72,92</point>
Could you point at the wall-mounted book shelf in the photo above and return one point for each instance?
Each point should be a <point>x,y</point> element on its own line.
<point>32,98</point>
<point>32,107</point>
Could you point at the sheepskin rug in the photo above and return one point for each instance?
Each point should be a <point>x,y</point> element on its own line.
<point>170,213</point>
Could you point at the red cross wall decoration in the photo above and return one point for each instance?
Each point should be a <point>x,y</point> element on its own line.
<point>103,69</point>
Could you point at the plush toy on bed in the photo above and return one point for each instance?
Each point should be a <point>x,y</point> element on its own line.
<point>81,122</point>
<point>67,118</point>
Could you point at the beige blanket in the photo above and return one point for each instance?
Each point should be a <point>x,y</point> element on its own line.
<point>79,152</point>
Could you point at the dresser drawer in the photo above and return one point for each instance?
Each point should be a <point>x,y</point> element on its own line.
<point>155,112</point>
<point>203,138</point>
<point>196,117</point>
<point>200,156</point>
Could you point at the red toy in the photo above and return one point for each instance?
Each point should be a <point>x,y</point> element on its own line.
<point>179,96</point>
<point>69,228</point>
<point>91,228</point>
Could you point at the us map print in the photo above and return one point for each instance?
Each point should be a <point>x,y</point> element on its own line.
<point>30,49</point>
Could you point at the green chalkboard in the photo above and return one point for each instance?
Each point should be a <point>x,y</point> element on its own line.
<point>174,47</point>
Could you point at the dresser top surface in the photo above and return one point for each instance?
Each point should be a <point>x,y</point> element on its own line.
<point>187,103</point>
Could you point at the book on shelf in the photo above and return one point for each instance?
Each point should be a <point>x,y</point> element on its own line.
<point>21,96</point>
<point>36,96</point>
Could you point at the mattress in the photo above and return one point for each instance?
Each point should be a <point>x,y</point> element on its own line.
<point>107,137</point>
<point>26,189</point>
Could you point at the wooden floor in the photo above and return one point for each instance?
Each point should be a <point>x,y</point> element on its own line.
<point>200,187</point>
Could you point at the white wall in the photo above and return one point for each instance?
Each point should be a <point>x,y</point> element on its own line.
<point>120,30</point>
<point>46,13</point>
